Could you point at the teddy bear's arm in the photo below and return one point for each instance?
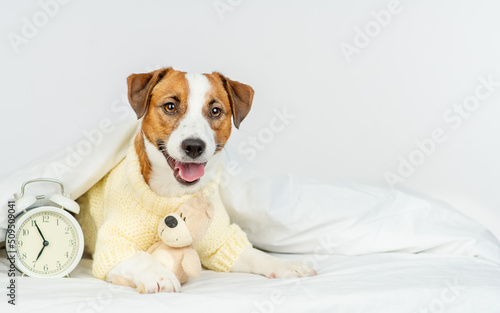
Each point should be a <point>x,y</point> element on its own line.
<point>191,263</point>
<point>154,247</point>
<point>161,253</point>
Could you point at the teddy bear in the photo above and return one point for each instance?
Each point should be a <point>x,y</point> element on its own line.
<point>178,231</point>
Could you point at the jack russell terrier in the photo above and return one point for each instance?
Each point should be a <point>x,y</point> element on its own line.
<point>186,121</point>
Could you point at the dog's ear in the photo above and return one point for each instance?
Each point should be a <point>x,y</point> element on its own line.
<point>240,98</point>
<point>140,87</point>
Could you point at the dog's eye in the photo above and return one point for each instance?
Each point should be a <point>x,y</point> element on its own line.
<point>215,112</point>
<point>170,107</point>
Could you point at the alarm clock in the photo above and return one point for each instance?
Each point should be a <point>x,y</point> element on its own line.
<point>48,239</point>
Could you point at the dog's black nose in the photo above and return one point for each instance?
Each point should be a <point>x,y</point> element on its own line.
<point>193,147</point>
<point>170,221</point>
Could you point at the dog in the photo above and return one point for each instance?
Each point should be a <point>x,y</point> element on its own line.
<point>186,121</point>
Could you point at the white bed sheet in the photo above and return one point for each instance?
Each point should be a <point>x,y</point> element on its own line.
<point>390,282</point>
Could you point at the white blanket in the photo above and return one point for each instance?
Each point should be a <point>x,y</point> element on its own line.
<point>292,215</point>
<point>375,250</point>
<point>79,166</point>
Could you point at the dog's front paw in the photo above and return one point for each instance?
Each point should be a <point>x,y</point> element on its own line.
<point>157,279</point>
<point>143,271</point>
<point>287,269</point>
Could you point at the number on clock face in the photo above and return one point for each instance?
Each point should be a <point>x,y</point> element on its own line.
<point>47,243</point>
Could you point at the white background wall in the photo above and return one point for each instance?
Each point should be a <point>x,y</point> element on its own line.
<point>352,119</point>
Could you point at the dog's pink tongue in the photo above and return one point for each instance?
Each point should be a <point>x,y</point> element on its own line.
<point>190,171</point>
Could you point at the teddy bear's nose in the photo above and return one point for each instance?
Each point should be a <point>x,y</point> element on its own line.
<point>170,221</point>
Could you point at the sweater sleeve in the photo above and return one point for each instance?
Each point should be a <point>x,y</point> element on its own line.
<point>222,258</point>
<point>223,243</point>
<point>111,248</point>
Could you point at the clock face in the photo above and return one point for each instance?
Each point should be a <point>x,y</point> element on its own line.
<point>48,242</point>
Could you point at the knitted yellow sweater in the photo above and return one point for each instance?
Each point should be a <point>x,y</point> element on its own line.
<point>120,216</point>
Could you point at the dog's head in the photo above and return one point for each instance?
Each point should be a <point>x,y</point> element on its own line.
<point>187,117</point>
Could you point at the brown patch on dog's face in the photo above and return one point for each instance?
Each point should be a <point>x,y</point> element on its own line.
<point>160,121</point>
<point>148,95</point>
<point>240,97</point>
<point>217,100</point>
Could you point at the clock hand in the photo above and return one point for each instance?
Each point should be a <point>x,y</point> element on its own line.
<point>40,253</point>
<point>45,243</point>
<point>39,231</point>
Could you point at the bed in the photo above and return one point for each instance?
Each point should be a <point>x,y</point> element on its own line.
<point>375,250</point>
<point>387,282</point>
